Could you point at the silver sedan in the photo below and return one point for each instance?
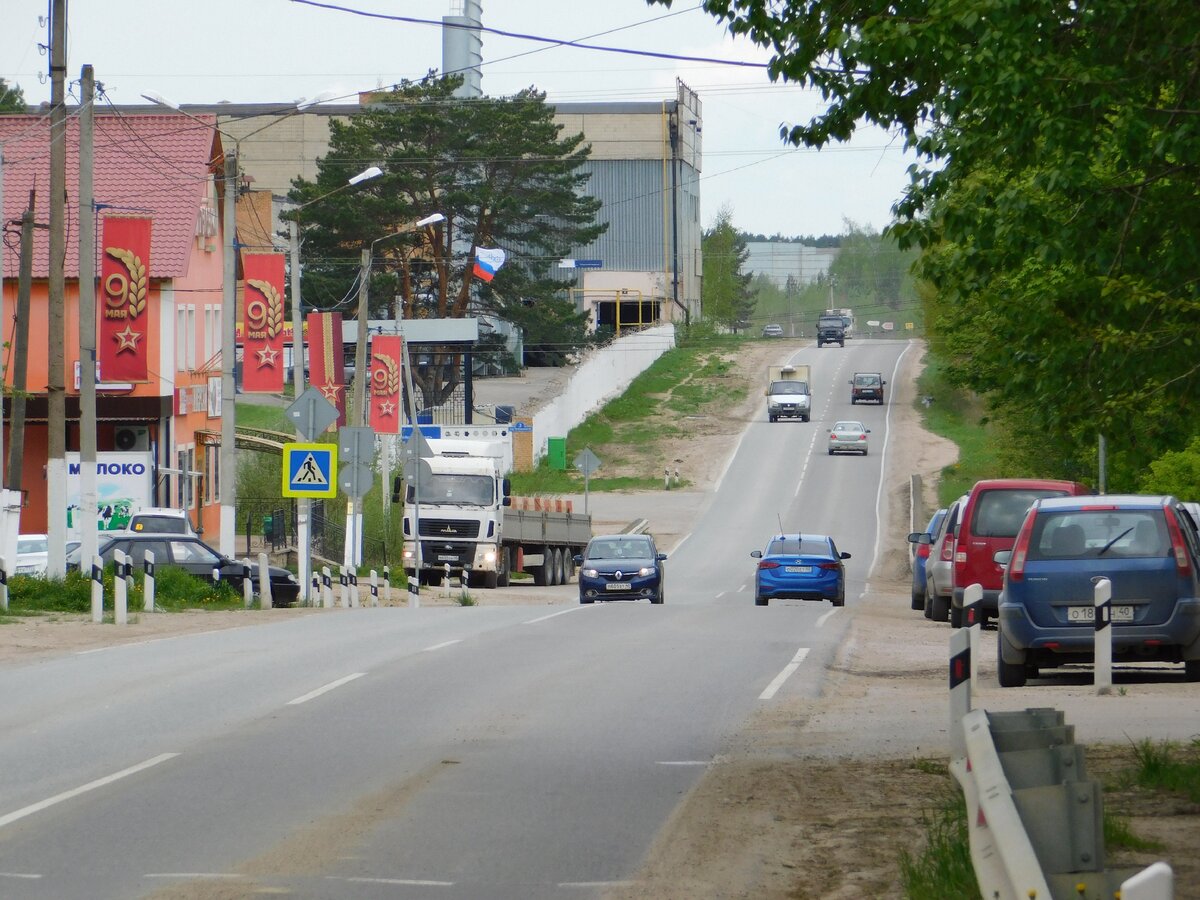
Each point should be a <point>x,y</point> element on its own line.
<point>849,437</point>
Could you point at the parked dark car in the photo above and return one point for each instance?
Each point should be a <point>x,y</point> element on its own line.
<point>921,541</point>
<point>621,567</point>
<point>1146,546</point>
<point>193,556</point>
<point>800,567</point>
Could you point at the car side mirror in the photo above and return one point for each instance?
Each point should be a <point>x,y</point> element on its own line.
<point>578,559</point>
<point>757,554</point>
<point>506,501</point>
<point>844,555</point>
<point>920,537</point>
<point>661,557</point>
<point>1002,557</point>
<point>867,430</point>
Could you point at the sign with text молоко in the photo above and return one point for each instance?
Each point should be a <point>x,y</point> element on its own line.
<point>310,470</point>
<point>124,297</point>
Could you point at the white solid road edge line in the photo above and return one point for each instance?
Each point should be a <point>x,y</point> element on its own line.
<point>784,675</point>
<point>825,616</point>
<point>83,789</point>
<point>442,645</point>
<point>325,689</point>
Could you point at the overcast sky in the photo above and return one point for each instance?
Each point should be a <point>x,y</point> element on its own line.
<point>279,50</point>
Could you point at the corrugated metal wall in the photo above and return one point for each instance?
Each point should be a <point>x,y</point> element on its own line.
<point>631,193</point>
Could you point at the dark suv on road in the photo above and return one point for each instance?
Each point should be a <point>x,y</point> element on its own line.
<point>831,330</point>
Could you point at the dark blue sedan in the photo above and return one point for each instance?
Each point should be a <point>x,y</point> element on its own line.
<point>621,567</point>
<point>922,541</point>
<point>800,567</point>
<point>1148,549</point>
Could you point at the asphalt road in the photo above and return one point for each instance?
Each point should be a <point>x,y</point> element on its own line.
<point>475,752</point>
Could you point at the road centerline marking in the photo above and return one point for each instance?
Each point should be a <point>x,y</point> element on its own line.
<point>83,789</point>
<point>442,645</point>
<point>561,612</point>
<point>325,688</point>
<point>784,675</point>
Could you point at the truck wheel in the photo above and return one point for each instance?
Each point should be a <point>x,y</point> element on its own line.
<point>569,564</point>
<point>544,574</point>
<point>560,573</point>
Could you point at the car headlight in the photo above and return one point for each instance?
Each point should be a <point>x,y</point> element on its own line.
<point>589,573</point>
<point>645,570</point>
<point>291,578</point>
<point>408,554</point>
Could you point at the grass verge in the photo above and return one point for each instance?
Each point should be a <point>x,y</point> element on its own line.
<point>957,416</point>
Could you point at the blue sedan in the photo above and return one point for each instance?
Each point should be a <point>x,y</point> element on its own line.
<point>801,567</point>
<point>621,567</point>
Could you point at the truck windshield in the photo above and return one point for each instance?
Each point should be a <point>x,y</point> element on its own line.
<point>463,490</point>
<point>831,322</point>
<point>789,387</point>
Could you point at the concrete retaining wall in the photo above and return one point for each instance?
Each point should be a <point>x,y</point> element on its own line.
<point>604,373</point>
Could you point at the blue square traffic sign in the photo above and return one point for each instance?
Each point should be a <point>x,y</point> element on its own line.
<point>310,470</point>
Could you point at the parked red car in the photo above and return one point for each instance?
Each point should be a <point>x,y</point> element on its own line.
<point>990,521</point>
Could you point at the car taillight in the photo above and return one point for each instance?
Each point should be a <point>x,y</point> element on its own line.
<point>1016,562</point>
<point>833,437</point>
<point>862,437</point>
<point>1182,563</point>
<point>828,565</point>
<point>948,550</point>
<point>922,551</point>
<point>768,564</point>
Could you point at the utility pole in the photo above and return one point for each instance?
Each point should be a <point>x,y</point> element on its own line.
<point>16,452</point>
<point>56,392</point>
<point>228,458</point>
<point>87,320</point>
<point>303,504</point>
<point>360,347</point>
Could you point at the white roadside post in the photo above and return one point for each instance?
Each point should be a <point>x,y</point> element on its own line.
<point>264,582</point>
<point>387,585</point>
<point>973,615</point>
<point>354,600</point>
<point>374,588</point>
<point>97,589</point>
<point>148,583</point>
<point>120,597</point>
<point>314,590</point>
<point>3,584</point>
<point>1102,601</point>
<point>960,690</point>
<point>247,584</point>
<point>326,587</point>
<point>344,585</point>
<point>1155,882</point>
<point>446,579</point>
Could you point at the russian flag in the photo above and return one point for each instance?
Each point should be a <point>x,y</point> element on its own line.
<point>488,262</point>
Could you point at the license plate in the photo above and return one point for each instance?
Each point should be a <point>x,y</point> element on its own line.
<point>1088,613</point>
<point>618,586</point>
<point>444,558</point>
<point>801,570</point>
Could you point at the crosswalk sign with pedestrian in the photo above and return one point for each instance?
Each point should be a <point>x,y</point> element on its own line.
<point>310,470</point>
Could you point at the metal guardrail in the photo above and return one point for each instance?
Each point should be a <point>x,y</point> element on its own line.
<point>1035,820</point>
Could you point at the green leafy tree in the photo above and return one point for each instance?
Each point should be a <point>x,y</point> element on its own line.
<point>503,176</point>
<point>1058,194</point>
<point>726,295</point>
<point>12,100</point>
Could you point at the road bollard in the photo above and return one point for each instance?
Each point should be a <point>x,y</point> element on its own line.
<point>264,582</point>
<point>97,589</point>
<point>446,579</point>
<point>3,584</point>
<point>374,588</point>
<point>960,690</point>
<point>120,588</point>
<point>247,583</point>
<point>314,591</point>
<point>1102,601</point>
<point>973,619</point>
<point>343,588</point>
<point>666,479</point>
<point>148,581</point>
<point>414,590</point>
<point>355,602</point>
<point>326,587</point>
<point>387,585</point>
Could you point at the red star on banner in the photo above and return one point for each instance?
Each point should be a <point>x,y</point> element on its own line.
<point>127,339</point>
<point>331,392</point>
<point>266,358</point>
<point>387,408</point>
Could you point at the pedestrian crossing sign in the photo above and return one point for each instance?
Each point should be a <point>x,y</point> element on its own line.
<point>310,470</point>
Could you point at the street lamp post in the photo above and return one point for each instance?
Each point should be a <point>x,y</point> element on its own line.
<point>303,505</point>
<point>360,357</point>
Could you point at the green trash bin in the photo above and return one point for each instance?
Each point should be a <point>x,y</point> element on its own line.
<point>556,453</point>
<point>268,527</point>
